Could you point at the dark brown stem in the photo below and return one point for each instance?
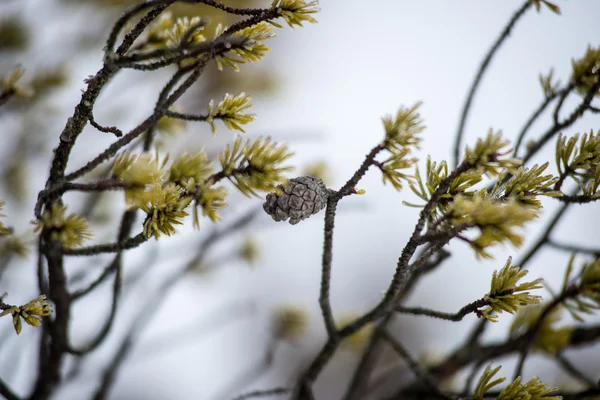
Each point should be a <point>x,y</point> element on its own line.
<point>129,243</point>
<point>458,316</point>
<point>263,393</point>
<point>7,392</point>
<point>414,366</point>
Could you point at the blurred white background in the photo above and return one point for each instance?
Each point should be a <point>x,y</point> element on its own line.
<point>336,79</point>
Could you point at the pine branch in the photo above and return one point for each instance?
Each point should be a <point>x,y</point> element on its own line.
<point>129,243</point>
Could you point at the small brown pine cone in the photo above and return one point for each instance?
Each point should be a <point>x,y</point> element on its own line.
<point>298,199</point>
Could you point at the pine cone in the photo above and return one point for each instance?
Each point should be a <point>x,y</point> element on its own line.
<point>297,200</point>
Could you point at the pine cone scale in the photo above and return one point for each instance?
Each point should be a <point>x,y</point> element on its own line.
<point>298,199</point>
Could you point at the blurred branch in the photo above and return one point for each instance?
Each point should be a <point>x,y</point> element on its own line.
<point>148,310</point>
<point>195,331</point>
<point>570,120</point>
<point>536,114</point>
<point>5,96</point>
<point>571,248</point>
<point>263,393</point>
<point>255,371</point>
<point>482,69</point>
<point>7,392</point>
<point>116,265</point>
<point>527,340</point>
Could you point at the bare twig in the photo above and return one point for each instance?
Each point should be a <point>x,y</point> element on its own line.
<point>458,316</point>
<point>129,243</point>
<point>148,310</point>
<point>569,368</point>
<point>482,68</point>
<point>571,248</point>
<point>7,391</point>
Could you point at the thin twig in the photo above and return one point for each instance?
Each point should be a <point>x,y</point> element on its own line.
<point>573,248</point>
<point>263,393</point>
<point>570,120</point>
<point>255,371</point>
<point>412,364</point>
<point>148,310</point>
<point>573,371</point>
<point>7,392</point>
<point>129,243</point>
<point>106,129</point>
<point>536,114</point>
<point>482,68</point>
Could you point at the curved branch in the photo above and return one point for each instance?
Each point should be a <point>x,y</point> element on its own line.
<point>7,392</point>
<point>484,65</point>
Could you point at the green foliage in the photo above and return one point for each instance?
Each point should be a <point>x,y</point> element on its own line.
<point>188,29</point>
<point>295,12</point>
<point>495,219</point>
<point>252,50</point>
<point>587,298</point>
<point>578,161</point>
<point>392,168</point>
<point>185,168</point>
<point>136,170</point>
<point>548,86</point>
<point>164,207</point>
<point>553,7</point>
<point>403,129</point>
<point>549,338</point>
<point>526,184</point>
<point>31,312</point>
<point>489,153</point>
<point>585,70</point>
<point>434,174</point>
<point>210,198</point>
<point>14,245</point>
<point>255,166</point>
<point>485,382</point>
<point>318,169</point>
<point>14,34</point>
<point>170,126</point>
<point>506,294</point>
<point>69,230</point>
<point>289,323</point>
<point>4,231</point>
<point>10,84</point>
<point>168,33</point>
<point>357,341</point>
<point>533,389</point>
<point>250,250</point>
<point>401,138</point>
<point>230,110</point>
